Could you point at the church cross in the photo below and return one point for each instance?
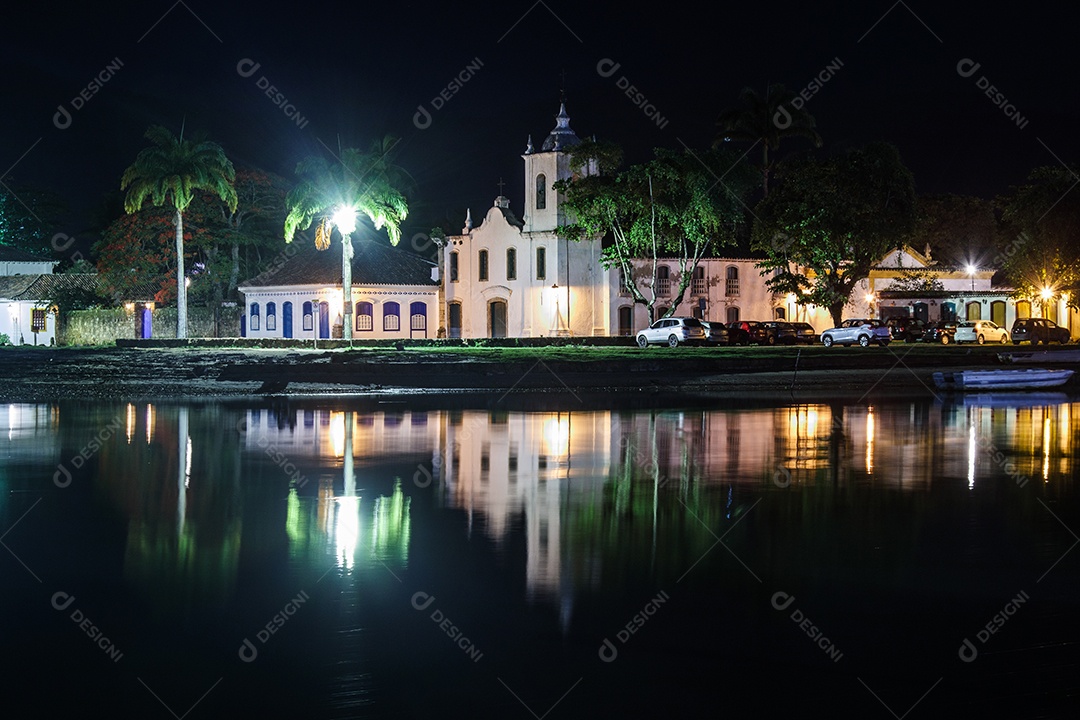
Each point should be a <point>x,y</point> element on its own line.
<point>501,183</point>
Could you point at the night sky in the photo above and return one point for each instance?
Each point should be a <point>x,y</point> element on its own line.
<point>355,72</point>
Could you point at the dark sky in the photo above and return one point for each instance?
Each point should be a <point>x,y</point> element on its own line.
<point>357,71</point>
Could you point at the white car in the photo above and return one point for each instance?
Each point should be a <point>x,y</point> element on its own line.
<point>980,331</point>
<point>862,331</point>
<point>671,331</point>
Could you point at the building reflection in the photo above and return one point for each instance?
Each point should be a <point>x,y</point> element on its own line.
<point>200,487</point>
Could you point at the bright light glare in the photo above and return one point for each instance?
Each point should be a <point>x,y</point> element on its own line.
<point>345,220</point>
<point>970,269</point>
<point>1046,293</point>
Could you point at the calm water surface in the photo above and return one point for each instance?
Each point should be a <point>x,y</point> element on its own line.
<point>380,560</point>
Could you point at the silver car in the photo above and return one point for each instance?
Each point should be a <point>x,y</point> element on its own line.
<point>860,331</point>
<point>981,331</point>
<point>671,331</point>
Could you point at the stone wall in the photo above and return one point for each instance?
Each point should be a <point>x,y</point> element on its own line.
<point>104,326</point>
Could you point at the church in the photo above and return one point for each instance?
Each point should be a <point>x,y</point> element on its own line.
<point>515,277</point>
<point>512,276</point>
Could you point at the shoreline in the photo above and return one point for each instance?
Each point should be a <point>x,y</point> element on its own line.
<point>745,376</point>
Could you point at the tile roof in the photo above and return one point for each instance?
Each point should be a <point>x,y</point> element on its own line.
<point>373,264</point>
<point>43,288</point>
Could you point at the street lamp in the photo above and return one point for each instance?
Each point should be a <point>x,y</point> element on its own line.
<point>344,219</point>
<point>971,274</point>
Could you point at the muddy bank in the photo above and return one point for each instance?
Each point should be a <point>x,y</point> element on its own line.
<point>48,374</point>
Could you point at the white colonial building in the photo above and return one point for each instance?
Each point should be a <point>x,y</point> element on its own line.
<point>395,295</point>
<point>515,277</point>
<point>26,317</point>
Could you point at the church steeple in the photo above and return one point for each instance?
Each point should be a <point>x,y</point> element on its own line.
<point>545,167</point>
<point>561,136</point>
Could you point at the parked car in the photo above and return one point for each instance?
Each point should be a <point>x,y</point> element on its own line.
<point>857,330</point>
<point>805,333</point>
<point>907,329</point>
<point>716,333</point>
<point>778,332</point>
<point>980,331</point>
<point>942,332</point>
<point>747,332</point>
<point>1036,330</point>
<point>672,331</point>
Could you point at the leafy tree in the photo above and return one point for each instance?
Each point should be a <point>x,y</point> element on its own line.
<point>766,120</point>
<point>137,251</point>
<point>960,230</point>
<point>681,205</point>
<point>29,218</point>
<point>830,222</point>
<point>1043,219</point>
<point>334,193</point>
<point>170,172</point>
<point>234,239</point>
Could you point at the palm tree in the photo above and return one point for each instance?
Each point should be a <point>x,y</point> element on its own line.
<point>170,171</point>
<point>766,120</point>
<point>333,194</point>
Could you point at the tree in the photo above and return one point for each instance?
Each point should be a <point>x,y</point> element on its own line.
<point>681,205</point>
<point>333,194</point>
<point>137,251</point>
<point>29,218</point>
<point>830,222</point>
<point>170,171</point>
<point>766,120</point>
<point>1043,219</point>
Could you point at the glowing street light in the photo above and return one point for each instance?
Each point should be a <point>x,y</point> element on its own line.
<point>971,273</point>
<point>1046,293</point>
<point>345,220</point>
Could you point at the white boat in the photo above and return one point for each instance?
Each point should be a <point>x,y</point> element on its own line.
<point>1026,379</point>
<point>1041,356</point>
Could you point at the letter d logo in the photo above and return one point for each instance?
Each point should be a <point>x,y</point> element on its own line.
<point>607,67</point>
<point>62,118</point>
<point>247,67</point>
<point>608,652</point>
<point>967,651</point>
<point>967,67</point>
<point>61,472</point>
<point>782,118</point>
<point>422,118</point>
<point>248,652</point>
<point>781,600</point>
<point>421,600</point>
<point>61,600</point>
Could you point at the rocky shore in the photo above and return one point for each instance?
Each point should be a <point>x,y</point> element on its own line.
<point>742,375</point>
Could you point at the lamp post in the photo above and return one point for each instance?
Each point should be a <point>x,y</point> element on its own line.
<point>345,221</point>
<point>971,274</point>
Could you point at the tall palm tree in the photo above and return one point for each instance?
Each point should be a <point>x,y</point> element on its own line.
<point>334,193</point>
<point>170,171</point>
<point>766,120</point>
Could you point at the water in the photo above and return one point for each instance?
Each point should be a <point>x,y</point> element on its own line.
<point>209,560</point>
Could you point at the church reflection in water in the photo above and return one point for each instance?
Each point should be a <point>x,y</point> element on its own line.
<point>203,487</point>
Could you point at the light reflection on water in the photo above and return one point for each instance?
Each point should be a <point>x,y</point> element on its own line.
<point>567,510</point>
<point>546,474</point>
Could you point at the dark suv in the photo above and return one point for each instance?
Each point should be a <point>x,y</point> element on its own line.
<point>942,332</point>
<point>1036,330</point>
<point>907,329</point>
<point>778,332</point>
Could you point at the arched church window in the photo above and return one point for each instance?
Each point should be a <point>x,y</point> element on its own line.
<point>541,192</point>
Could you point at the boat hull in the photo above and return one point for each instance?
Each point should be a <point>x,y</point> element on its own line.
<point>981,380</point>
